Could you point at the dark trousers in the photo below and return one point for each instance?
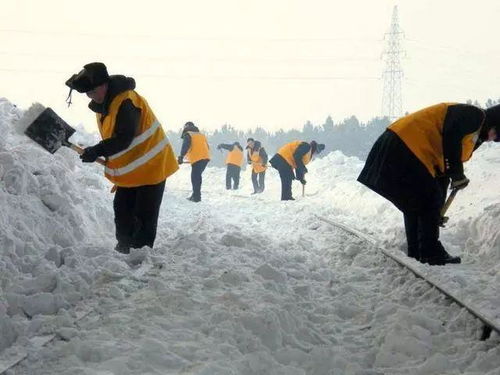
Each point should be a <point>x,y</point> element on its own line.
<point>136,214</point>
<point>422,226</point>
<point>258,181</point>
<point>232,176</point>
<point>196,179</point>
<point>286,176</point>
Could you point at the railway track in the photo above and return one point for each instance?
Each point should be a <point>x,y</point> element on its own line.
<point>489,324</point>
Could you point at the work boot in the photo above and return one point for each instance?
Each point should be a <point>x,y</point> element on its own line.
<point>122,248</point>
<point>441,260</point>
<point>440,257</point>
<point>413,252</point>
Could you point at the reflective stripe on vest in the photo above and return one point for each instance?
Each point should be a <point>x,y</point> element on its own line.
<point>289,149</point>
<point>257,166</point>
<point>199,148</point>
<point>422,132</point>
<point>149,159</point>
<point>140,161</point>
<point>139,139</point>
<point>235,157</point>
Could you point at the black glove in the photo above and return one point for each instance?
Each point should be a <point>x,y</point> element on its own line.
<point>459,182</point>
<point>180,159</point>
<point>89,155</point>
<point>303,181</point>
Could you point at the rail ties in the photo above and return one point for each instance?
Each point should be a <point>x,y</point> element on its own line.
<point>489,324</point>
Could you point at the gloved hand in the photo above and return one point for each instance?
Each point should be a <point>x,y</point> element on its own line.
<point>89,155</point>
<point>219,147</point>
<point>459,182</point>
<point>180,159</point>
<point>303,181</point>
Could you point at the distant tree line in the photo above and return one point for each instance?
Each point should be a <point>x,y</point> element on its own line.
<point>349,136</point>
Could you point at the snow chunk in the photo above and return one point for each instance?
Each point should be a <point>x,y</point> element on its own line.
<point>269,273</point>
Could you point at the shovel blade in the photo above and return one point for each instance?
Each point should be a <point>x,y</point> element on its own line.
<point>49,131</point>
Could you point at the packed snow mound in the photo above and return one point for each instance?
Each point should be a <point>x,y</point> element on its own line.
<point>45,213</point>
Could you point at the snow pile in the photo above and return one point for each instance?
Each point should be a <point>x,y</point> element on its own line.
<point>243,284</point>
<point>45,213</point>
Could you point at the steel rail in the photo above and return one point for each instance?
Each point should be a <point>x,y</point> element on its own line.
<point>489,324</point>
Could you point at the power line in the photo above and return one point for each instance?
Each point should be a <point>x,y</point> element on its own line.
<point>72,33</point>
<point>270,60</point>
<point>213,77</point>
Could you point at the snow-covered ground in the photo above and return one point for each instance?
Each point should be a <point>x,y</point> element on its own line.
<point>236,284</point>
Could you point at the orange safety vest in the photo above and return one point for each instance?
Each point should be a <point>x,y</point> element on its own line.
<point>199,148</point>
<point>289,149</point>
<point>257,165</point>
<point>149,159</point>
<point>235,157</point>
<point>422,132</point>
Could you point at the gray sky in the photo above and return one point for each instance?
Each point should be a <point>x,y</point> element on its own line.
<point>270,63</point>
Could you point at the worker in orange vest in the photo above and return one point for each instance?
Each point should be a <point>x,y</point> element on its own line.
<point>234,161</point>
<point>195,148</point>
<point>412,162</point>
<point>258,158</point>
<point>139,156</point>
<point>294,156</point>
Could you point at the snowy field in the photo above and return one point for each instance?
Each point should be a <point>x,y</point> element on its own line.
<point>236,284</point>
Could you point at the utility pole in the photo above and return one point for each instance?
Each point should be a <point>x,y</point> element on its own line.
<point>392,101</point>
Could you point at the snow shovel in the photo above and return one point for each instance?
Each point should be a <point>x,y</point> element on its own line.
<point>51,132</point>
<point>444,219</point>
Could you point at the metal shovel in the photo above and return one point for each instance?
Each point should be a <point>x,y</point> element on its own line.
<point>51,132</point>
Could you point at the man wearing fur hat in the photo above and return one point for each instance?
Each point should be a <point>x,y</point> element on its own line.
<point>138,154</point>
<point>412,162</point>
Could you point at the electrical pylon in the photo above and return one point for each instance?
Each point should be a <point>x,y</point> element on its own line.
<point>392,101</point>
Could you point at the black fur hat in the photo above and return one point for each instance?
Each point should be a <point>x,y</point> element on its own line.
<point>316,147</point>
<point>189,127</point>
<point>91,76</point>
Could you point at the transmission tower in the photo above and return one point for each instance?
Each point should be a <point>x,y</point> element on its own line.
<point>392,101</point>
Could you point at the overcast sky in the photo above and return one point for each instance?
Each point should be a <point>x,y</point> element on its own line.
<point>270,63</point>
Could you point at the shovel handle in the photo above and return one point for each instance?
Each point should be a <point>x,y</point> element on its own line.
<point>448,201</point>
<point>80,150</point>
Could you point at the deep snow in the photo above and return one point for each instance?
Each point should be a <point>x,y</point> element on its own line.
<point>237,284</point>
